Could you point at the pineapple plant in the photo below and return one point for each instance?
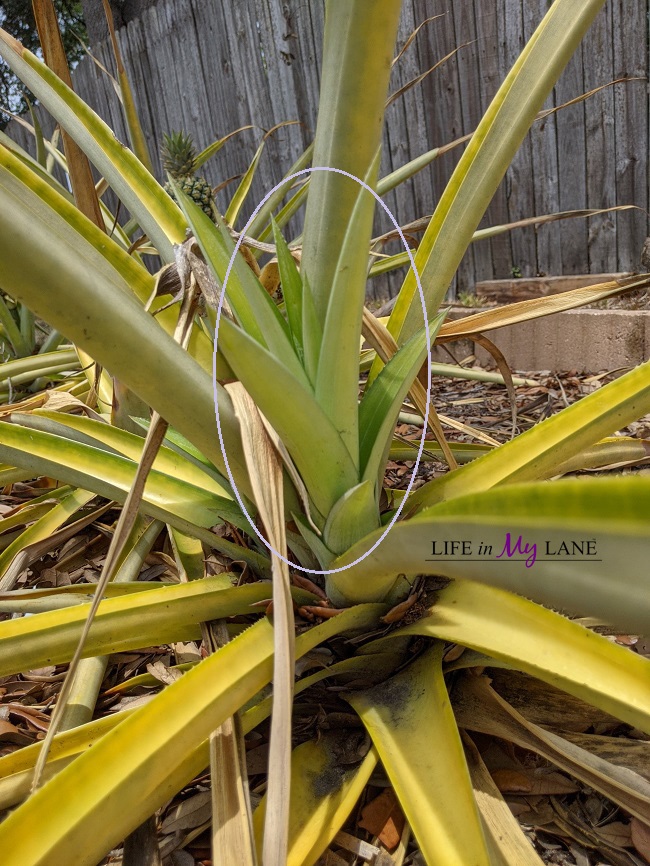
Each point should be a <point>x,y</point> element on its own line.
<point>179,161</point>
<point>110,775</point>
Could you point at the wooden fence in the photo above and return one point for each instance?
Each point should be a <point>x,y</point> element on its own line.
<point>209,68</point>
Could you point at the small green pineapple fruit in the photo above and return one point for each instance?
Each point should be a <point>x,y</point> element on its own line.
<point>179,157</point>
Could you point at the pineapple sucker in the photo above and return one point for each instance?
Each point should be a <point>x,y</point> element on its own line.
<point>179,158</point>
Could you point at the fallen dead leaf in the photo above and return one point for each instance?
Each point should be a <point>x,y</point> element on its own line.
<point>163,674</point>
<point>189,813</point>
<point>384,818</point>
<point>513,782</point>
<point>640,834</point>
<point>11,734</point>
<point>186,652</point>
<point>532,782</point>
<point>616,833</point>
<point>626,639</point>
<point>535,814</point>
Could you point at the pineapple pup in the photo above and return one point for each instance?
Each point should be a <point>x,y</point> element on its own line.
<point>179,161</point>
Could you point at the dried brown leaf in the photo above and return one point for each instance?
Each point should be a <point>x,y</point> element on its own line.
<point>522,311</point>
<point>11,734</point>
<point>503,833</point>
<point>622,751</point>
<point>617,833</point>
<point>532,782</point>
<point>640,835</point>
<point>188,814</point>
<point>264,466</point>
<point>163,674</point>
<point>478,707</point>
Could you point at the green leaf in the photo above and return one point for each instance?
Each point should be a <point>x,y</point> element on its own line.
<point>251,304</point>
<point>382,401</point>
<point>100,315</point>
<point>16,774</point>
<point>237,200</point>
<point>315,543</point>
<point>34,366</point>
<point>167,498</point>
<point>126,622</point>
<point>34,165</point>
<point>355,72</point>
<point>353,516</point>
<point>286,212</point>
<point>337,376</point>
<point>214,148</point>
<point>41,155</point>
<point>98,433</point>
<point>12,331</point>
<point>143,197</point>
<point>292,288</point>
<point>45,526</point>
<point>323,794</point>
<point>57,597</point>
<point>134,274</point>
<point>408,170</point>
<point>189,555</point>
<point>611,512</point>
<point>464,452</point>
<point>261,227</point>
<point>312,332</point>
<point>16,767</point>
<point>293,412</point>
<point>33,510</point>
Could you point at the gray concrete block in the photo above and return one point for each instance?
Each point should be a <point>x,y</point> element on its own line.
<point>588,341</point>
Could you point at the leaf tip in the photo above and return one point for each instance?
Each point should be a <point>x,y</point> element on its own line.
<point>11,42</point>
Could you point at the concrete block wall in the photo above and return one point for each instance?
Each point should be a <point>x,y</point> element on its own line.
<point>590,341</point>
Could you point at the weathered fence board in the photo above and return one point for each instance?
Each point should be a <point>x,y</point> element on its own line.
<point>209,68</point>
<point>571,150</point>
<point>630,118</point>
<point>600,143</point>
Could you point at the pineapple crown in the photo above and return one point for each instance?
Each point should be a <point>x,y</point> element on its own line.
<point>178,154</point>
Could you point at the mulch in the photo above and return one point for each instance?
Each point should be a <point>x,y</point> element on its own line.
<point>487,408</point>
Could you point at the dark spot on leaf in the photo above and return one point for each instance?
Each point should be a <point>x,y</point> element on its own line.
<point>394,695</point>
<point>345,751</point>
<point>329,781</point>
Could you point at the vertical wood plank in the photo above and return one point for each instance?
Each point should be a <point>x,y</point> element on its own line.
<point>600,142</point>
<point>468,62</point>
<point>572,165</point>
<point>443,116</point>
<point>629,22</point>
<point>543,140</point>
<point>491,74</point>
<point>519,177</point>
<point>404,137</point>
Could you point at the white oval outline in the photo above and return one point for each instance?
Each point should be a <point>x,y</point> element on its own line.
<point>240,240</point>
